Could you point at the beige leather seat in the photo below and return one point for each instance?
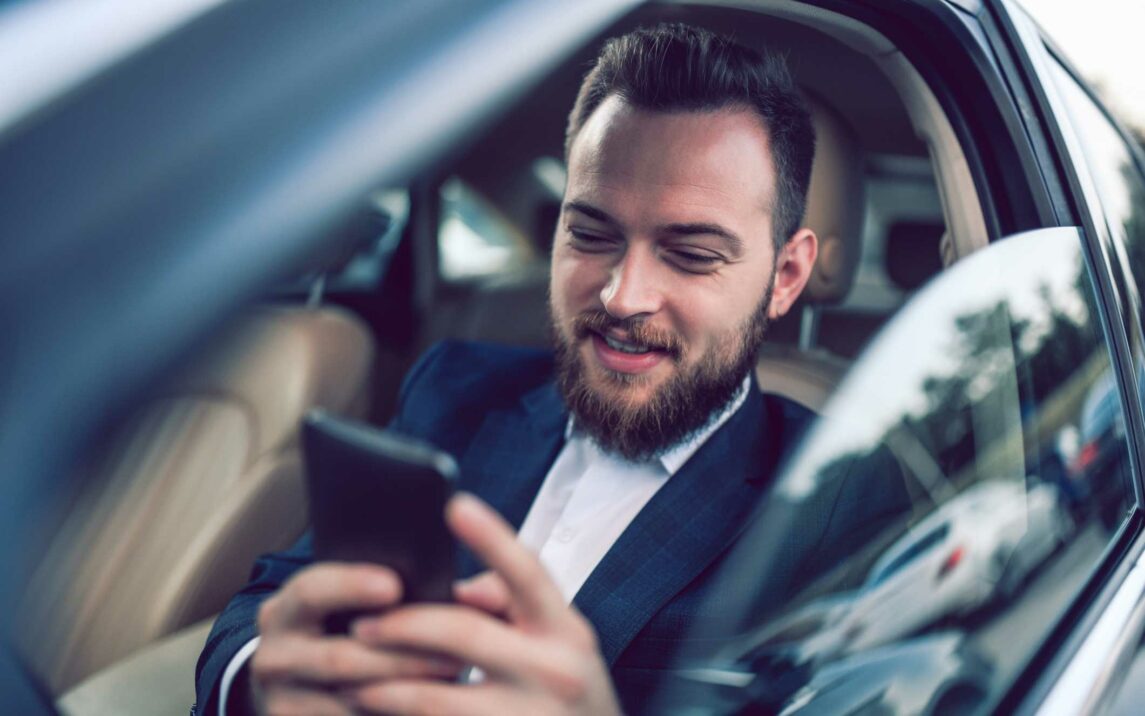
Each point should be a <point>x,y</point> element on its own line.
<point>835,205</point>
<point>204,478</point>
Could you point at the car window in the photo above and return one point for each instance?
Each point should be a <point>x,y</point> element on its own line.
<point>474,240</point>
<point>914,549</point>
<point>370,235</point>
<point>955,497</point>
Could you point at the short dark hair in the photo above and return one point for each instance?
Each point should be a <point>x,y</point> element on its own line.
<point>676,67</point>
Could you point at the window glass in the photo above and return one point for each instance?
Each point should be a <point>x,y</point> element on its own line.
<point>954,498</point>
<point>367,267</point>
<point>366,241</point>
<point>473,238</point>
<point>909,551</point>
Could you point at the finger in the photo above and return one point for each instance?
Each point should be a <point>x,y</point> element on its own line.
<point>296,700</point>
<point>317,591</point>
<point>531,589</point>
<point>414,698</point>
<point>339,660</point>
<point>468,636</point>
<point>486,592</point>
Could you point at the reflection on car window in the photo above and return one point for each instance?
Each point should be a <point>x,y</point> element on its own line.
<point>941,516</point>
<point>910,550</point>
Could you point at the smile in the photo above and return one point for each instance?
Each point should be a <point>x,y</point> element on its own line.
<point>625,347</point>
<point>624,356</point>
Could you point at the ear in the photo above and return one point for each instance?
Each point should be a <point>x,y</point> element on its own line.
<point>792,271</point>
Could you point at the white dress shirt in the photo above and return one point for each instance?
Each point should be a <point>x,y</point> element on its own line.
<point>590,496</point>
<point>587,500</point>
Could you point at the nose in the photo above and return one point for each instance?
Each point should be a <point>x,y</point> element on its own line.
<point>632,289</point>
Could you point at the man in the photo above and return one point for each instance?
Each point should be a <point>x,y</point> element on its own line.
<point>629,462</point>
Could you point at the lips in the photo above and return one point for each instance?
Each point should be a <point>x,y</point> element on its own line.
<point>627,346</point>
<point>625,356</point>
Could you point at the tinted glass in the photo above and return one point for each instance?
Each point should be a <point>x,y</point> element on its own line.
<point>474,239</point>
<point>915,549</point>
<point>956,495</point>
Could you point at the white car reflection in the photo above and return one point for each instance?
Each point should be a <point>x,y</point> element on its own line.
<point>978,547</point>
<point>806,636</point>
<point>934,674</point>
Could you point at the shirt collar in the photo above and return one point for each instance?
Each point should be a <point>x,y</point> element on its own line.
<point>674,457</point>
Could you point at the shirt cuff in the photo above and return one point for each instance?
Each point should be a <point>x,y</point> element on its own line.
<point>238,661</point>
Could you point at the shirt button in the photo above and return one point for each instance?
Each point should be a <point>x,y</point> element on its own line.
<point>565,535</point>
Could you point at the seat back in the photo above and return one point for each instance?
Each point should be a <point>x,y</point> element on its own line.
<point>205,477</point>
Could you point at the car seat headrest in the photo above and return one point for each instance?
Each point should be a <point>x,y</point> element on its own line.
<point>835,205</point>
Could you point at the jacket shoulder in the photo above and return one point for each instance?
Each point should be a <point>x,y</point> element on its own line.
<point>455,384</point>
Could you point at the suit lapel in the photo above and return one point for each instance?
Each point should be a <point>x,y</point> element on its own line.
<point>683,528</point>
<point>510,455</point>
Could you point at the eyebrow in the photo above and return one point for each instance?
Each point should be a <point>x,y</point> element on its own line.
<point>700,228</point>
<point>591,212</point>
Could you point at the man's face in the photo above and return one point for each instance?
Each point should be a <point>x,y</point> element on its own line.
<point>662,270</point>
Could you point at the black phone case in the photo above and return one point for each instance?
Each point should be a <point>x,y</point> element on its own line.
<point>377,496</point>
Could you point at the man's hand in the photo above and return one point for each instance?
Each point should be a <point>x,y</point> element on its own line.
<point>539,655</point>
<point>299,669</point>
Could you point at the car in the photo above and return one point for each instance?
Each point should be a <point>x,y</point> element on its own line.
<point>1097,469</point>
<point>934,674</point>
<point>980,546</point>
<point>219,215</point>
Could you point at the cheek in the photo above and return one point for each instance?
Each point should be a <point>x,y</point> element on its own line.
<point>700,321</point>
<point>577,282</point>
<point>708,319</point>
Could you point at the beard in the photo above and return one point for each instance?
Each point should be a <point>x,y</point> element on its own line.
<point>686,404</point>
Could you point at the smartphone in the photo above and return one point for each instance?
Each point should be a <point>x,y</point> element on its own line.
<point>378,496</point>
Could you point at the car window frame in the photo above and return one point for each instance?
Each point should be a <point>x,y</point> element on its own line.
<point>1068,644</point>
<point>971,84</point>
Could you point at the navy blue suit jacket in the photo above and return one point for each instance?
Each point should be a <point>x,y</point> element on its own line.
<point>497,410</point>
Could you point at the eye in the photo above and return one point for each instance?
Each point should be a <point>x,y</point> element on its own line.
<point>590,242</point>
<point>694,261</point>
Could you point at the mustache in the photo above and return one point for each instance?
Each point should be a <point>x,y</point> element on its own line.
<point>639,332</point>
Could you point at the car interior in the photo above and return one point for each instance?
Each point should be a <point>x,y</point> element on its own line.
<point>180,497</point>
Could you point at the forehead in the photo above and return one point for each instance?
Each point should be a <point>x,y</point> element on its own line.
<point>703,161</point>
